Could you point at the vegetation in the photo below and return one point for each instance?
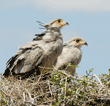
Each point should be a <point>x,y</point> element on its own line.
<point>56,88</point>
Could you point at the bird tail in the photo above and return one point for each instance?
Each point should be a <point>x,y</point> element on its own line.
<point>7,72</point>
<point>9,65</point>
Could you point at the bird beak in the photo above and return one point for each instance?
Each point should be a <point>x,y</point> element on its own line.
<point>86,44</point>
<point>83,43</point>
<point>67,23</point>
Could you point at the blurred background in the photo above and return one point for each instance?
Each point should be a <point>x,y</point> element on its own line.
<point>88,19</point>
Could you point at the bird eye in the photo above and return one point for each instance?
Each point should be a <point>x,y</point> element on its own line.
<point>59,20</point>
<point>77,40</point>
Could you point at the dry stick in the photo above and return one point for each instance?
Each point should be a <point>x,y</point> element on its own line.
<point>23,96</point>
<point>63,71</point>
<point>77,92</point>
<point>31,99</point>
<point>65,89</point>
<point>97,79</point>
<point>37,81</point>
<point>99,82</point>
<point>40,95</point>
<point>11,92</point>
<point>3,92</point>
<point>65,85</point>
<point>49,88</point>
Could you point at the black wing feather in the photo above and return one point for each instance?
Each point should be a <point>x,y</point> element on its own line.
<point>11,61</point>
<point>39,36</point>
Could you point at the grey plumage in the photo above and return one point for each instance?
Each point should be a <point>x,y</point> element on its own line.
<point>39,52</point>
<point>71,54</point>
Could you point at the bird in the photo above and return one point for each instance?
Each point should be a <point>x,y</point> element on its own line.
<point>71,55</point>
<point>39,52</point>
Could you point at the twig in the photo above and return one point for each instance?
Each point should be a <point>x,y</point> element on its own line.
<point>23,96</point>
<point>37,81</point>
<point>98,79</point>
<point>49,87</point>
<point>65,85</point>
<point>3,91</point>
<point>31,99</point>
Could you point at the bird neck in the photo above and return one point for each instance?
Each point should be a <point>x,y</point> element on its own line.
<point>55,29</point>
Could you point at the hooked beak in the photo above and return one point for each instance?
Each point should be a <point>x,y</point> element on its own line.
<point>86,44</point>
<point>67,23</point>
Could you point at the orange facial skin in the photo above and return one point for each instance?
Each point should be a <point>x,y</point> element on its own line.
<point>80,42</point>
<point>59,23</point>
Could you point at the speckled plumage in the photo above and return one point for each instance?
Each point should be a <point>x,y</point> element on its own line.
<point>39,52</point>
<point>71,54</point>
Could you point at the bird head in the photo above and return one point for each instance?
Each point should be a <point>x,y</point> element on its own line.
<point>77,42</point>
<point>56,24</point>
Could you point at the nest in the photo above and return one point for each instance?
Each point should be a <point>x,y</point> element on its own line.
<point>56,88</point>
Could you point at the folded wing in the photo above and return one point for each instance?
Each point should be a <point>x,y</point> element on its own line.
<point>25,59</point>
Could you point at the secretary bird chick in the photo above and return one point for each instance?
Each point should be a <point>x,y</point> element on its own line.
<point>43,52</point>
<point>71,54</point>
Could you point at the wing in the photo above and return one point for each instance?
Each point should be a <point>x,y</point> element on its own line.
<point>11,61</point>
<point>25,59</point>
<point>39,36</point>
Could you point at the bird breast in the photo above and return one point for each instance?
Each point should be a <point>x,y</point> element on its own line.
<point>76,55</point>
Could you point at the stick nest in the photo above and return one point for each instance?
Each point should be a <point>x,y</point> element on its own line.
<point>56,88</point>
